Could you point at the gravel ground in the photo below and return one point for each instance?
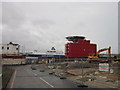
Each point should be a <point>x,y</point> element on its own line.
<point>89,74</point>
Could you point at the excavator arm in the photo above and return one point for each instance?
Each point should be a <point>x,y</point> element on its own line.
<point>101,50</point>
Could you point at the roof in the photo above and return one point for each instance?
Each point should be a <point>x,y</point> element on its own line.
<point>75,37</point>
<point>12,43</point>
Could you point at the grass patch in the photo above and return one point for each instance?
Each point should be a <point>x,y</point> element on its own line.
<point>6,75</point>
<point>0,71</point>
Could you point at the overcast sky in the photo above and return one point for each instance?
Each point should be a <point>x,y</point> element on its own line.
<point>42,25</point>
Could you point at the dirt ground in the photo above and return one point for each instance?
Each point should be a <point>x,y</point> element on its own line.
<point>85,72</point>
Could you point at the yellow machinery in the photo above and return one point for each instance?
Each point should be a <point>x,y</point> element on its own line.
<point>117,56</point>
<point>101,50</point>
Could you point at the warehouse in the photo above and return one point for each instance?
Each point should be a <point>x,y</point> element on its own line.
<point>48,57</point>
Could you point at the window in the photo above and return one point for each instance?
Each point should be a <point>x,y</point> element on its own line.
<point>2,47</point>
<point>7,48</point>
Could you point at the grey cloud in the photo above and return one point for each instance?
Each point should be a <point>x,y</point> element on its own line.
<point>12,16</point>
<point>43,25</point>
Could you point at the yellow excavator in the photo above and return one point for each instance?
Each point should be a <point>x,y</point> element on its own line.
<point>101,50</point>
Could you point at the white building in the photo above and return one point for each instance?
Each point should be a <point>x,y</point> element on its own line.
<point>10,49</point>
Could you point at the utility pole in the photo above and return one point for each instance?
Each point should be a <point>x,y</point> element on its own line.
<point>82,71</point>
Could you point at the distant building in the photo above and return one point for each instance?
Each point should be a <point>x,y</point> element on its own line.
<point>10,49</point>
<point>79,47</point>
<point>52,51</point>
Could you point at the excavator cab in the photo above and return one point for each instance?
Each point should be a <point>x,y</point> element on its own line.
<point>93,56</point>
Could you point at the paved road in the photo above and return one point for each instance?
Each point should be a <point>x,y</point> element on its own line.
<point>25,77</point>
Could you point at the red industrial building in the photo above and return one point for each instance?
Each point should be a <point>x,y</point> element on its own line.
<point>79,47</point>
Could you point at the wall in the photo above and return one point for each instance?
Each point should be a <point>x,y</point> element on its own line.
<point>11,61</point>
<point>12,49</point>
<point>81,49</point>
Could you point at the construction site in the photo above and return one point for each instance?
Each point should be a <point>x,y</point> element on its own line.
<point>83,73</point>
<point>82,64</point>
